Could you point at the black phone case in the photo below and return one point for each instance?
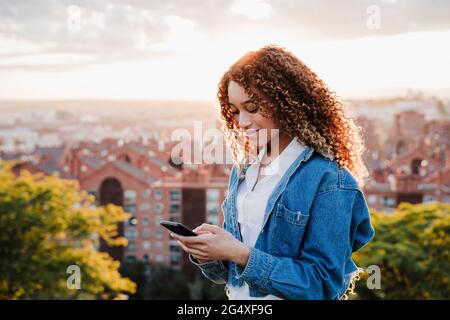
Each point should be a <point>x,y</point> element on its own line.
<point>178,228</point>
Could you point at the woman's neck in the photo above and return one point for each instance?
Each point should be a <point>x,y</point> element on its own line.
<point>284,141</point>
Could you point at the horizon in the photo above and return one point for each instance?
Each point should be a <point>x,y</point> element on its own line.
<point>136,50</point>
<point>444,94</point>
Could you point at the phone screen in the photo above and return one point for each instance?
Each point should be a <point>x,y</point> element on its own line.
<point>178,228</point>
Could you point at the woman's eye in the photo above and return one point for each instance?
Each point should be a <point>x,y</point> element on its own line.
<point>252,108</point>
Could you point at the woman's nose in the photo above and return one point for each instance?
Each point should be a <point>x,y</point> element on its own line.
<point>244,120</point>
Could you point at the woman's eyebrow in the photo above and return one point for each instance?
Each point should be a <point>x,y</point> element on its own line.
<point>249,100</point>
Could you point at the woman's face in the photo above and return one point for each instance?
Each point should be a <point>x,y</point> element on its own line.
<point>247,115</point>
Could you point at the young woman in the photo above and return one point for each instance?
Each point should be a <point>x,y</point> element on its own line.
<point>292,218</point>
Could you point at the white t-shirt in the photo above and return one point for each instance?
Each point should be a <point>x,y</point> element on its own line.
<point>252,200</point>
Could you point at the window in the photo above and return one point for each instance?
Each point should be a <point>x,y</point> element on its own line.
<point>212,201</point>
<point>213,195</point>
<point>389,202</point>
<point>131,258</point>
<point>146,257</point>
<point>175,259</point>
<point>146,193</point>
<point>158,194</point>
<point>146,233</point>
<point>429,198</point>
<point>159,244</point>
<point>146,245</point>
<point>158,219</point>
<point>175,195</point>
<point>144,206</point>
<point>159,207</point>
<point>130,201</point>
<point>159,234</point>
<point>131,234</point>
<point>131,247</point>
<point>174,208</point>
<point>372,199</point>
<point>130,209</point>
<point>174,255</point>
<point>159,258</point>
<point>213,219</point>
<point>145,221</point>
<point>415,166</point>
<point>212,208</point>
<point>130,197</point>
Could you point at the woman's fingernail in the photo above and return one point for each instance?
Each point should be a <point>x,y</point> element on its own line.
<point>172,235</point>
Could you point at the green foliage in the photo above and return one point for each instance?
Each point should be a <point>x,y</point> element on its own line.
<point>168,283</point>
<point>138,272</point>
<point>203,289</point>
<point>161,282</point>
<point>412,248</point>
<point>48,224</point>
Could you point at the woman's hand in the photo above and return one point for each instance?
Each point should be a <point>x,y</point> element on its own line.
<point>214,243</point>
<point>196,230</point>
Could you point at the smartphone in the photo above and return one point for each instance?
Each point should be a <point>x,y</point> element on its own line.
<point>178,228</point>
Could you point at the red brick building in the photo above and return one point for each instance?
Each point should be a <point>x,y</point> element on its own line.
<point>149,187</point>
<point>142,179</point>
<point>415,155</point>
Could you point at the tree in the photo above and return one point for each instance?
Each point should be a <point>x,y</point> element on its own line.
<point>157,281</point>
<point>204,289</point>
<point>138,272</point>
<point>47,225</point>
<point>167,283</point>
<point>412,249</point>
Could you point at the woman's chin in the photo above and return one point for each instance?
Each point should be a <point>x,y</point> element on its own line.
<point>259,143</point>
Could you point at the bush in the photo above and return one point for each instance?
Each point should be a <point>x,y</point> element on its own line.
<point>48,224</point>
<point>412,249</point>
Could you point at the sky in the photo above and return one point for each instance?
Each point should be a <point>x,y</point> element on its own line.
<point>177,50</point>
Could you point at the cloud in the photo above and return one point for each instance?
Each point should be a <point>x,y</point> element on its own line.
<point>100,31</point>
<point>348,18</point>
<point>105,31</point>
<point>253,9</point>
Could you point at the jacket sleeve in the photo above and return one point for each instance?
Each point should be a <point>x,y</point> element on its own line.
<point>318,272</point>
<point>214,270</point>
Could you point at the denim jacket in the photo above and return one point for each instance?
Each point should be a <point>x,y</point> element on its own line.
<point>315,218</point>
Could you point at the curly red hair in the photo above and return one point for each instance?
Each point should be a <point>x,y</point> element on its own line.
<point>302,105</point>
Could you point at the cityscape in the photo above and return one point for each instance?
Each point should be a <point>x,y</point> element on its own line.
<point>120,152</point>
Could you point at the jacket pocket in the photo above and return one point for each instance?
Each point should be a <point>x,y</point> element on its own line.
<point>288,232</point>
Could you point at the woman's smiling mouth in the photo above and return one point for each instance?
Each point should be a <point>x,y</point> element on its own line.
<point>250,133</point>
